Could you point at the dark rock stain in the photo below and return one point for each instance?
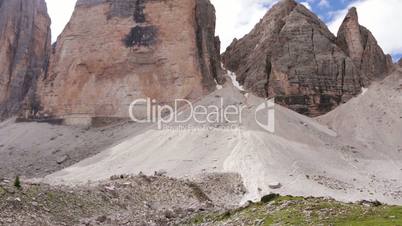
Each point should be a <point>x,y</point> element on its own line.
<point>139,15</point>
<point>141,36</point>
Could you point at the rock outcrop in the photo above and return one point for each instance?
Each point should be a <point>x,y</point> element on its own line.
<point>291,55</point>
<point>24,49</point>
<point>400,62</point>
<point>113,52</point>
<point>361,46</point>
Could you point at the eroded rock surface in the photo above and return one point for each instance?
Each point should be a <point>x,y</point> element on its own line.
<point>113,52</point>
<point>291,55</point>
<point>24,47</point>
<point>361,46</point>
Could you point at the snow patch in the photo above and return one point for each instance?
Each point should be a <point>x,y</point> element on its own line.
<point>218,87</point>
<point>364,90</point>
<point>235,83</point>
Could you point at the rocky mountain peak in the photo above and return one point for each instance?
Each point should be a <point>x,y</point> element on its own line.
<point>352,15</point>
<point>291,3</point>
<point>291,55</point>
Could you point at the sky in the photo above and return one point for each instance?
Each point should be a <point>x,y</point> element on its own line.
<point>235,18</point>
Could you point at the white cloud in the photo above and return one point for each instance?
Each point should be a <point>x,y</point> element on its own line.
<point>321,3</point>
<point>324,4</point>
<point>60,13</point>
<point>306,4</point>
<point>382,18</point>
<point>235,18</point>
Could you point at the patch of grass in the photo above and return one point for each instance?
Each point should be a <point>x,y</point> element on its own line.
<point>17,182</point>
<point>205,217</point>
<point>316,211</point>
<point>198,219</point>
<point>385,216</point>
<point>51,196</point>
<point>289,198</point>
<point>2,191</point>
<point>226,215</point>
<point>288,210</point>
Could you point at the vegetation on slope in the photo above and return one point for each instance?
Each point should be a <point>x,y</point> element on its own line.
<point>286,210</point>
<point>146,200</point>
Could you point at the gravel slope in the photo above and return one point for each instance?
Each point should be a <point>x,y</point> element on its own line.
<point>38,149</point>
<point>305,157</point>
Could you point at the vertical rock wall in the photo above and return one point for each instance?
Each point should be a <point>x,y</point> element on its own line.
<point>115,51</point>
<point>24,49</point>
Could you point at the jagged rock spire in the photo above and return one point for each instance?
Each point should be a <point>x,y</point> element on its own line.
<point>350,38</point>
<point>361,46</point>
<point>292,55</point>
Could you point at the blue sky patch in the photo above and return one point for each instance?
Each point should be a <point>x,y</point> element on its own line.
<point>327,11</point>
<point>325,8</point>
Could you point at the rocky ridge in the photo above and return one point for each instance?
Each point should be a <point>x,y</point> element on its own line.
<point>25,45</point>
<point>291,55</point>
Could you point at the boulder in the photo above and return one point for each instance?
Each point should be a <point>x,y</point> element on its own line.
<point>62,159</point>
<point>275,185</point>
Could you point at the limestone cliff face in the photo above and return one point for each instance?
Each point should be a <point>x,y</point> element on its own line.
<point>361,46</point>
<point>115,51</point>
<point>291,55</point>
<point>24,48</point>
